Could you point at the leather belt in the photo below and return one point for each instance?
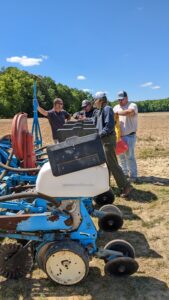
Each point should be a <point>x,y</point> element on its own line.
<point>131,133</point>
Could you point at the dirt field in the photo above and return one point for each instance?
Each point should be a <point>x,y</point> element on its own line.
<point>146,227</point>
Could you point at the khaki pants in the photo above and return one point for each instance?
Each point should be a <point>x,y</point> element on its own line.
<point>109,145</point>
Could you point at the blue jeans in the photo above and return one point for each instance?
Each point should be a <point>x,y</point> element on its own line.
<point>127,160</point>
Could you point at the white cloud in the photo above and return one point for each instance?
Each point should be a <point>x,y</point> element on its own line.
<point>155,87</point>
<point>26,61</point>
<point>80,77</point>
<point>86,90</point>
<point>149,83</point>
<point>44,56</point>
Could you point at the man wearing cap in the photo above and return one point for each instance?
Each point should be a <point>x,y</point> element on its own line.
<point>106,126</point>
<point>88,111</point>
<point>56,116</point>
<point>128,115</point>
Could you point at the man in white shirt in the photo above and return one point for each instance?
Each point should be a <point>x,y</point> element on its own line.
<point>128,115</point>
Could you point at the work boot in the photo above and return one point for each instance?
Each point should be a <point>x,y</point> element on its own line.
<point>134,180</point>
<point>126,191</point>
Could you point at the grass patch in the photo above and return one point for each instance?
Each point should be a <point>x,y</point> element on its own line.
<point>146,139</point>
<point>152,152</point>
<point>152,223</point>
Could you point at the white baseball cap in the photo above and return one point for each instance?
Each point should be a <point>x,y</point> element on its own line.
<point>85,103</point>
<point>99,95</point>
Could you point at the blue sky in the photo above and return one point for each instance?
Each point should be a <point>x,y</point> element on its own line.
<point>95,45</point>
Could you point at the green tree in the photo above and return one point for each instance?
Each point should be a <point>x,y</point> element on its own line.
<point>16,92</point>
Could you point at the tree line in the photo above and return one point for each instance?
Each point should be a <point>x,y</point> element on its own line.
<point>150,105</point>
<point>16,94</point>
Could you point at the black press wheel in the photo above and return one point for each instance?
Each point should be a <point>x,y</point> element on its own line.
<point>122,246</point>
<point>121,266</point>
<point>105,198</point>
<point>110,222</point>
<point>111,208</point>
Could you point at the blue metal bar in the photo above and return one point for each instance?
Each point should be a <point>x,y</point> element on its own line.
<point>21,236</point>
<point>5,145</point>
<point>42,222</point>
<point>17,206</point>
<point>35,126</point>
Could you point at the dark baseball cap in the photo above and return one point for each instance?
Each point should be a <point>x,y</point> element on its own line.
<point>121,95</point>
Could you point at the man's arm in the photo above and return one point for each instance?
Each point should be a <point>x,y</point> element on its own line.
<point>42,111</point>
<point>76,115</point>
<point>67,115</point>
<point>130,111</point>
<point>127,112</point>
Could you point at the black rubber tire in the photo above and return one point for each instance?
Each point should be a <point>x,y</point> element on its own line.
<point>66,246</point>
<point>110,222</point>
<point>40,254</point>
<point>111,208</point>
<point>105,198</point>
<point>121,266</point>
<point>121,246</point>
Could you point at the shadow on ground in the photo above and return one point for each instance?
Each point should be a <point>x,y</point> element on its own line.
<point>154,180</point>
<point>135,238</point>
<point>137,195</point>
<point>141,196</point>
<point>128,213</point>
<point>95,286</point>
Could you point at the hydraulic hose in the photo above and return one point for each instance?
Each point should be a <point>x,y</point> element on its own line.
<point>28,195</point>
<point>39,149</point>
<point>21,188</point>
<point>41,154</point>
<point>19,170</point>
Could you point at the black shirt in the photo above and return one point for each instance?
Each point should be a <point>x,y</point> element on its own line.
<point>87,114</point>
<point>91,113</point>
<point>57,120</point>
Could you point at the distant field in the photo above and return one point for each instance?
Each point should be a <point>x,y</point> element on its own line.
<point>146,226</point>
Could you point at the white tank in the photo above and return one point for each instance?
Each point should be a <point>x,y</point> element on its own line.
<point>84,183</point>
